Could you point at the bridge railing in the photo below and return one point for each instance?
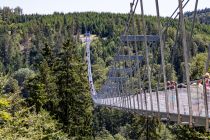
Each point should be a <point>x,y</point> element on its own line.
<point>177,99</point>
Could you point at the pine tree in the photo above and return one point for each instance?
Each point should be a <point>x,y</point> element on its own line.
<point>37,94</point>
<point>48,79</point>
<point>42,88</point>
<point>75,110</point>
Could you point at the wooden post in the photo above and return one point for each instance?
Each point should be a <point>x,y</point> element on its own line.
<point>116,95</point>
<point>147,53</point>
<point>184,43</point>
<point>206,104</point>
<point>162,58</point>
<point>103,100</point>
<point>142,107</point>
<point>112,95</point>
<point>193,25</point>
<point>124,97</point>
<point>129,98</point>
<point>145,99</point>
<point>127,85</point>
<point>208,59</point>
<point>131,80</point>
<point>177,103</point>
<point>198,97</point>
<point>110,98</point>
<point>138,71</point>
<point>123,101</point>
<point>139,78</point>
<point>107,99</point>
<point>158,103</point>
<point>119,95</point>
<point>137,98</point>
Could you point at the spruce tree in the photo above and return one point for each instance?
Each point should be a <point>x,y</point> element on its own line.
<point>75,108</point>
<point>42,87</point>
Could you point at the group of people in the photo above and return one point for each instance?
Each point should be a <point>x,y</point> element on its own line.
<point>171,84</point>
<point>207,80</point>
<point>199,83</point>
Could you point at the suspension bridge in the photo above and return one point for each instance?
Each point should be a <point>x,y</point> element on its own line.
<point>129,81</point>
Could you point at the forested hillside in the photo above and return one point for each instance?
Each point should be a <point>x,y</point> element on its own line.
<point>44,91</point>
<point>203,16</point>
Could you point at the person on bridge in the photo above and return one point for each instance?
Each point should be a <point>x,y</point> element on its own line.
<point>199,82</point>
<point>171,84</point>
<point>207,81</point>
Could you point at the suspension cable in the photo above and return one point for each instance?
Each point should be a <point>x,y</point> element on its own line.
<point>147,53</point>
<point>193,24</point>
<point>129,19</point>
<point>132,11</point>
<point>120,48</point>
<point>207,62</point>
<point>194,15</point>
<point>184,42</point>
<point>127,84</point>
<point>162,57</point>
<point>129,77</point>
<point>132,75</point>
<point>171,17</point>
<point>138,72</point>
<point>175,42</point>
<point>130,16</point>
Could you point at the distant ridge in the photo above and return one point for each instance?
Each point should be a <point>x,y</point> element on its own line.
<point>203,16</point>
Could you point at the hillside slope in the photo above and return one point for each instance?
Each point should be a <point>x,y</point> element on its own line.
<point>203,16</point>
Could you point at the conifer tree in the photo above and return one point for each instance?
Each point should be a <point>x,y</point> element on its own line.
<point>75,110</point>
<point>42,88</point>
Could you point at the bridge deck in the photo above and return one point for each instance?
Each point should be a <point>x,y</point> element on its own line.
<point>141,103</point>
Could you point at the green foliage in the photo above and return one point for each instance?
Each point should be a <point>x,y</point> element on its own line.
<point>127,125</point>
<point>171,73</point>
<point>186,133</point>
<point>4,102</point>
<point>142,128</point>
<point>34,52</point>
<point>119,137</point>
<point>3,80</point>
<point>110,119</point>
<point>42,87</point>
<point>104,135</point>
<point>59,88</point>
<point>37,93</point>
<point>5,116</point>
<point>31,126</point>
<point>197,66</point>
<point>22,75</point>
<point>17,121</point>
<point>11,86</point>
<point>165,133</point>
<point>74,107</point>
<point>203,15</point>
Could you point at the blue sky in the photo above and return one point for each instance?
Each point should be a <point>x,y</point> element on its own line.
<point>117,6</point>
